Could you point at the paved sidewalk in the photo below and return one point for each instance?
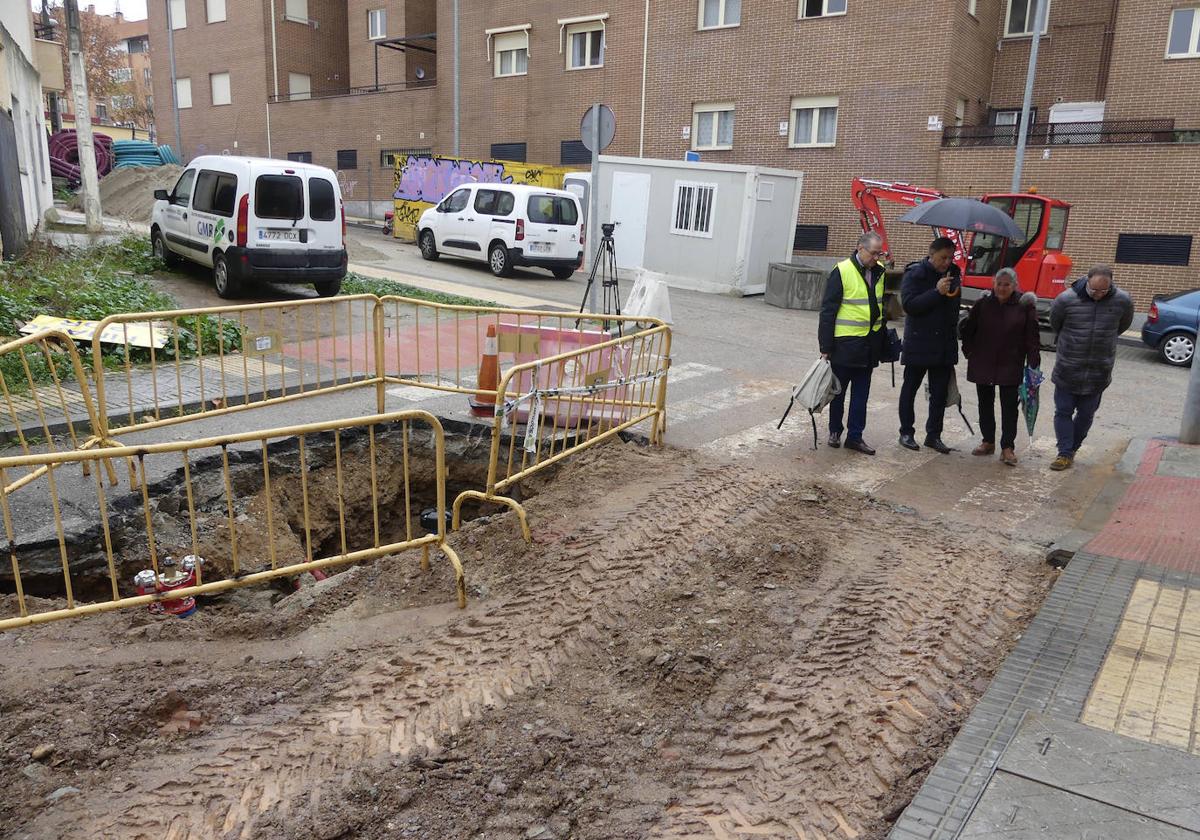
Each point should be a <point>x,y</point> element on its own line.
<point>1091,727</point>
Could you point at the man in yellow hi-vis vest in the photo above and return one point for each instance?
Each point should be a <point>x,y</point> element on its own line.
<point>851,337</point>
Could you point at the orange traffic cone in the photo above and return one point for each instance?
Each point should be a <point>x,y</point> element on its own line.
<point>483,404</point>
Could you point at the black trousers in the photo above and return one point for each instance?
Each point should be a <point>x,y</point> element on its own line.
<point>939,384</point>
<point>1008,414</point>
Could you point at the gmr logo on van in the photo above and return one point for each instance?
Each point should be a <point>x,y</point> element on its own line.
<point>207,229</point>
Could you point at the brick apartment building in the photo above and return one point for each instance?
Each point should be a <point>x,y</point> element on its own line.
<point>927,93</point>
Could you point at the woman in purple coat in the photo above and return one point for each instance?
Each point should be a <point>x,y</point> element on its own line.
<point>999,338</point>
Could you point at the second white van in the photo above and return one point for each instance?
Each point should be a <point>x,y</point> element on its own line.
<point>506,225</point>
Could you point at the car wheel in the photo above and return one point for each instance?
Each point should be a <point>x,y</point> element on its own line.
<point>161,252</point>
<point>499,261</point>
<point>328,288</point>
<point>428,244</point>
<point>1177,348</point>
<point>563,273</point>
<point>226,284</point>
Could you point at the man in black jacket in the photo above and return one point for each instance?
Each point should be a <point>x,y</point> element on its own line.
<point>850,334</point>
<point>930,293</point>
<point>1088,318</point>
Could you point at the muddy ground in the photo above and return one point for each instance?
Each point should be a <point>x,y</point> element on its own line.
<point>688,649</point>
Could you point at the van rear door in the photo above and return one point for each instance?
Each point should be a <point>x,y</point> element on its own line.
<point>324,214</point>
<point>277,217</point>
<point>553,226</point>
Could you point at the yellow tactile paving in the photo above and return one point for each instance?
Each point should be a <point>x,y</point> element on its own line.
<point>1149,685</point>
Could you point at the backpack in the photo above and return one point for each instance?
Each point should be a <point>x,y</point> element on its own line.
<point>815,391</point>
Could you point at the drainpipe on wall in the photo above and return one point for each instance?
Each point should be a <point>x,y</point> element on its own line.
<point>456,52</point>
<point>645,50</point>
<point>275,75</point>
<point>174,83</point>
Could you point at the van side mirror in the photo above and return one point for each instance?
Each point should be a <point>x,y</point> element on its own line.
<point>161,195</point>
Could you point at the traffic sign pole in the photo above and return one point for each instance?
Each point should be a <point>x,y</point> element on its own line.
<point>594,202</point>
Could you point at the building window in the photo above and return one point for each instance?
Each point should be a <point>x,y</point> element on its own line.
<point>101,112</point>
<point>183,92</point>
<point>692,211</point>
<point>299,86</point>
<point>215,10</point>
<point>146,75</point>
<point>715,14</point>
<point>712,126</point>
<point>1019,20</point>
<point>509,151</point>
<point>388,157</point>
<point>960,112</point>
<point>1008,121</point>
<point>220,88</point>
<point>124,100</point>
<point>1184,39</point>
<point>122,74</point>
<point>296,10</point>
<point>300,157</point>
<point>178,12</point>
<point>377,24</point>
<point>347,159</point>
<point>150,102</point>
<point>512,53</point>
<point>585,45</point>
<point>1154,249</point>
<point>814,121</point>
<point>822,8</point>
<point>138,45</point>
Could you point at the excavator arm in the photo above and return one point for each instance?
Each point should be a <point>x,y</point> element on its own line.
<point>866,195</point>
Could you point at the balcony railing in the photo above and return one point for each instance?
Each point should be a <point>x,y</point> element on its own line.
<point>1071,134</point>
<point>386,87</point>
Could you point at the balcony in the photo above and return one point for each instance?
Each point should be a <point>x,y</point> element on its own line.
<point>1070,134</point>
<point>363,90</point>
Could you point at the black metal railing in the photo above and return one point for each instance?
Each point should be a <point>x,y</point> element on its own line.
<point>362,90</point>
<point>1071,134</point>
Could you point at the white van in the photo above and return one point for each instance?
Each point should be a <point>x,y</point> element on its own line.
<point>506,225</point>
<point>254,218</point>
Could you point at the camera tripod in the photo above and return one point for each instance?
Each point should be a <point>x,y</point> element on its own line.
<point>604,265</point>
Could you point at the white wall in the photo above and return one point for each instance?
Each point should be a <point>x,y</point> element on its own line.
<point>24,102</point>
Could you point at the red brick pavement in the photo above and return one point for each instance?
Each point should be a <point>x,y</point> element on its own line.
<point>1156,521</point>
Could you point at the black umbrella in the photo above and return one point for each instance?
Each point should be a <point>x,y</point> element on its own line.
<point>965,214</point>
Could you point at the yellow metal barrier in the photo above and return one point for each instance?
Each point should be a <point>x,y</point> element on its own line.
<point>38,395</point>
<point>439,346</point>
<point>216,360</point>
<point>569,402</point>
<point>212,510</point>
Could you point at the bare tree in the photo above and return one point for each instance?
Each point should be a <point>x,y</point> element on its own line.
<point>101,51</point>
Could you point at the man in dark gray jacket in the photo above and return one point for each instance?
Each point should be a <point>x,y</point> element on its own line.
<point>1088,318</point>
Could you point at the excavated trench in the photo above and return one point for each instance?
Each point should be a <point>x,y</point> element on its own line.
<point>341,514</point>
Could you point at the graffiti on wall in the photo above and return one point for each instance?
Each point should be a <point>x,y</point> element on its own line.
<point>428,179</point>
<point>422,182</point>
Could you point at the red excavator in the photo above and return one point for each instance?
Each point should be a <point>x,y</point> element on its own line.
<point>1041,265</point>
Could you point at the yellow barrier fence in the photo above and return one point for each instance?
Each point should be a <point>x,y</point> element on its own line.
<point>46,395</point>
<point>253,509</point>
<point>159,368</point>
<point>439,346</point>
<point>568,402</point>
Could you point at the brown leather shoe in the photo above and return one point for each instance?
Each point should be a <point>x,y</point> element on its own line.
<point>1009,457</point>
<point>984,448</point>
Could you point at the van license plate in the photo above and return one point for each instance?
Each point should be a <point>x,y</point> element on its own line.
<point>540,247</point>
<point>286,235</point>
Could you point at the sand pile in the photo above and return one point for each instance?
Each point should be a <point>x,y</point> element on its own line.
<point>128,193</point>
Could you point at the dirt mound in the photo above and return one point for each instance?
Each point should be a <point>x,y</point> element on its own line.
<point>128,192</point>
<point>689,649</point>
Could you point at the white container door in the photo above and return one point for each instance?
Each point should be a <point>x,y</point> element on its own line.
<point>630,207</point>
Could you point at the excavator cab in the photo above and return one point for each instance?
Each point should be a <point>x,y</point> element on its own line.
<point>1037,257</point>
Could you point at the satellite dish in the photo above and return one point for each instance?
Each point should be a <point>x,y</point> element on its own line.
<point>420,74</point>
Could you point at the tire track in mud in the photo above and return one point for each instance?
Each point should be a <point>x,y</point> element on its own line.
<point>828,736</point>
<point>416,692</point>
